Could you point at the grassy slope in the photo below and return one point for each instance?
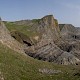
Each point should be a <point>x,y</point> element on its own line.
<point>21,28</point>
<point>15,66</point>
<point>26,30</point>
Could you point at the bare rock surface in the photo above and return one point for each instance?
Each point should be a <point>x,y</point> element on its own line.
<point>1,76</point>
<point>49,71</point>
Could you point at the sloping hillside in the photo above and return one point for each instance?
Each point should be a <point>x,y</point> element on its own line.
<point>15,66</point>
<point>46,43</point>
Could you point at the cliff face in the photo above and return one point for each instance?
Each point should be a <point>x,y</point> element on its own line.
<point>53,45</point>
<point>68,31</point>
<point>51,28</point>
<point>71,36</point>
<point>6,39</point>
<point>42,27</point>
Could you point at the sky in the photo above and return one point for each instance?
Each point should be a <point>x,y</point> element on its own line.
<point>65,11</point>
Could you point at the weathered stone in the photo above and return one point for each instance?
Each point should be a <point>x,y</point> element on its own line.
<point>49,71</point>
<point>1,76</point>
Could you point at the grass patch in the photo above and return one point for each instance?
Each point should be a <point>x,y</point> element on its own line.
<point>21,28</point>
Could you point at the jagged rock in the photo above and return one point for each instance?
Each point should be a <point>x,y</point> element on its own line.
<point>50,30</point>
<point>68,31</point>
<point>67,58</point>
<point>71,37</point>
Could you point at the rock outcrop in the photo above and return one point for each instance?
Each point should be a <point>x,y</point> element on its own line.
<point>68,31</point>
<point>53,46</point>
<point>1,76</point>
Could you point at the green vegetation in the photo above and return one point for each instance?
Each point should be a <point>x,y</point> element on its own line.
<point>26,30</point>
<point>35,20</point>
<point>16,66</point>
<point>21,28</point>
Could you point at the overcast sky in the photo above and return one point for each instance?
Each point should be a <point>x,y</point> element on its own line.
<point>66,11</point>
